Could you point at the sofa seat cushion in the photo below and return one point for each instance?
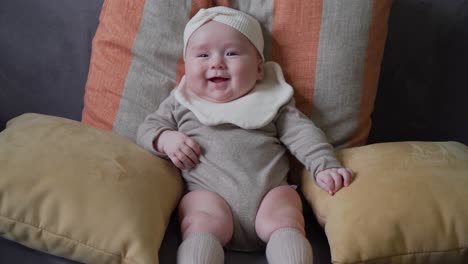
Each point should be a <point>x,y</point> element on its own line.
<point>81,193</point>
<point>407,204</point>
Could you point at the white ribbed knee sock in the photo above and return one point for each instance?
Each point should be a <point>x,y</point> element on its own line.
<point>200,248</point>
<point>288,246</point>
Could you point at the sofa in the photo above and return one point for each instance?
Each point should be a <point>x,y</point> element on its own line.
<point>45,53</point>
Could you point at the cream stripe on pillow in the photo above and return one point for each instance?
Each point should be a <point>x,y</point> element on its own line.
<point>263,12</point>
<point>152,73</point>
<point>338,85</point>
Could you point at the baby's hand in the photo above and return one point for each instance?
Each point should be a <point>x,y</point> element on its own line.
<point>332,180</point>
<point>181,149</point>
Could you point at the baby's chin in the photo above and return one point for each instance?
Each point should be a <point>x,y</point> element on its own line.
<point>217,98</point>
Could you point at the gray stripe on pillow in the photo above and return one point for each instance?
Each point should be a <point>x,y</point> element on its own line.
<point>156,52</point>
<point>340,67</point>
<point>262,10</point>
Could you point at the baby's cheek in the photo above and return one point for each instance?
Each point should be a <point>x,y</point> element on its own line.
<point>194,79</point>
<point>197,89</point>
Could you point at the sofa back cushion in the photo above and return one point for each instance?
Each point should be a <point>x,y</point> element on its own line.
<point>330,52</point>
<point>45,48</point>
<point>423,86</point>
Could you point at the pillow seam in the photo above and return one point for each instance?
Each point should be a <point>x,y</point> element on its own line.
<point>124,259</point>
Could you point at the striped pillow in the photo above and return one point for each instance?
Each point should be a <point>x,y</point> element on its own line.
<point>330,52</point>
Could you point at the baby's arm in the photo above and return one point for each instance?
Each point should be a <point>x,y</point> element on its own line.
<point>158,134</point>
<point>332,180</point>
<point>309,145</point>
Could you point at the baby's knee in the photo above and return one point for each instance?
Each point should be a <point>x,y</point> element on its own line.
<point>289,217</point>
<point>280,208</point>
<point>219,226</point>
<point>206,212</point>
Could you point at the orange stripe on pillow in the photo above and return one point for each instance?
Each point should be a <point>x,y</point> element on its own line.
<point>112,47</point>
<point>223,2</point>
<point>295,35</point>
<point>197,5</point>
<point>376,39</point>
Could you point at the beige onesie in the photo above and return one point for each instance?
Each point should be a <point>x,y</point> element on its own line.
<point>242,165</point>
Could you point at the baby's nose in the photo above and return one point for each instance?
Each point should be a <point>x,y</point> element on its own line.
<point>218,64</point>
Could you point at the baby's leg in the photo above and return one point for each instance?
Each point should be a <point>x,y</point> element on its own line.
<point>206,225</point>
<point>280,224</point>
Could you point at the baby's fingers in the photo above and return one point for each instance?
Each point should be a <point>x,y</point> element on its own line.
<point>337,179</point>
<point>184,159</point>
<point>191,158</point>
<point>177,162</point>
<point>347,175</point>
<point>193,145</point>
<point>327,184</point>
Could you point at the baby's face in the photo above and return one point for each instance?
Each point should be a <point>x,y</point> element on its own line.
<point>221,64</point>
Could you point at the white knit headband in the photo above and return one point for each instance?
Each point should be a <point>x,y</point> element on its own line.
<point>245,24</point>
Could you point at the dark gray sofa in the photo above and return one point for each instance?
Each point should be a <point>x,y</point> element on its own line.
<point>45,50</point>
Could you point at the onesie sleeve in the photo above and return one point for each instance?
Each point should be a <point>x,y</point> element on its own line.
<point>304,140</point>
<point>156,123</point>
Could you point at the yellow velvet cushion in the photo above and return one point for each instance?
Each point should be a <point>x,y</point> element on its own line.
<point>77,192</point>
<point>408,204</point>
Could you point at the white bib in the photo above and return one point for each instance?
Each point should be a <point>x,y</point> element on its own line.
<point>253,110</point>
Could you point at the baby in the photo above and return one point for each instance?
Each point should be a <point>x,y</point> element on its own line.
<point>228,127</point>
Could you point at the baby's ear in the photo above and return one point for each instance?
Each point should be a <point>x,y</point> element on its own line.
<point>259,69</point>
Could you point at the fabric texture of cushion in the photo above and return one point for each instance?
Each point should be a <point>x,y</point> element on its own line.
<point>330,52</point>
<point>407,204</point>
<point>81,193</point>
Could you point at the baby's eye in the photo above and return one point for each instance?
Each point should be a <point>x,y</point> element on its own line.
<point>203,55</point>
<point>231,53</point>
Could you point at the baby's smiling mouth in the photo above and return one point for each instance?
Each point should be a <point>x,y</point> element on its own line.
<point>218,79</point>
